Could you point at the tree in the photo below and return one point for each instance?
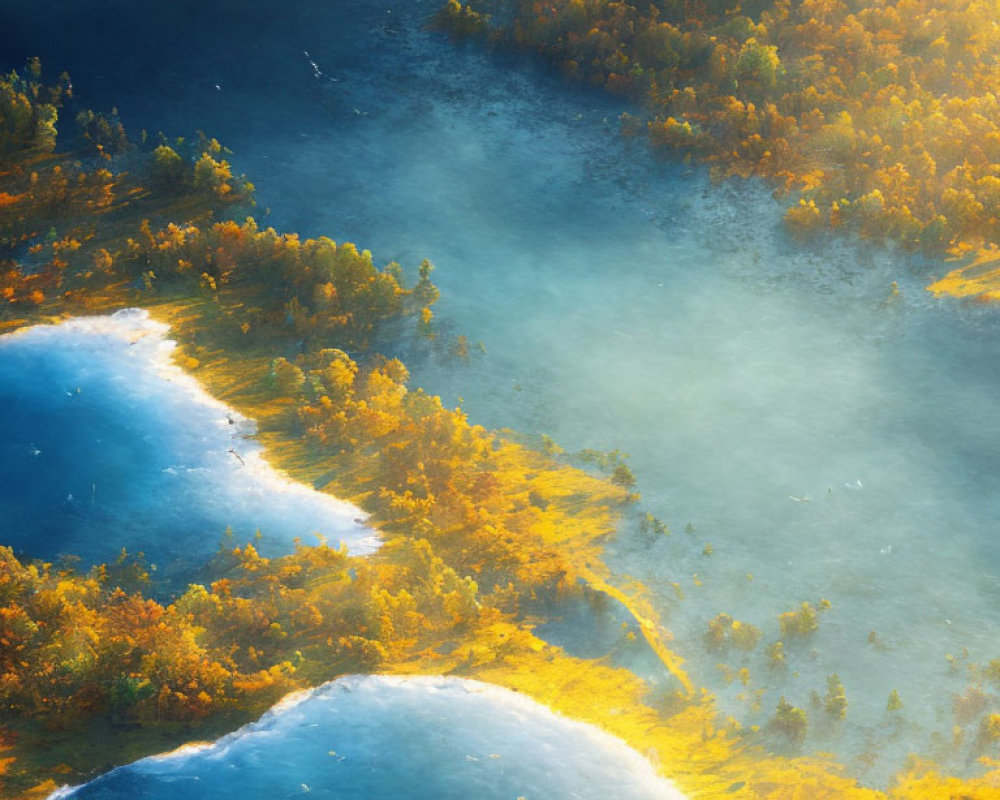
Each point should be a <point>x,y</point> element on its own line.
<point>757,68</point>
<point>835,701</point>
<point>168,167</point>
<point>288,378</point>
<point>790,722</point>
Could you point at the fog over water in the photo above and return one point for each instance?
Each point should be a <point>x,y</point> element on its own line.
<point>805,408</point>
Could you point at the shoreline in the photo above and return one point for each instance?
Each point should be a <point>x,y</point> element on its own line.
<point>149,343</point>
<point>502,699</point>
<point>550,541</point>
<point>693,747</point>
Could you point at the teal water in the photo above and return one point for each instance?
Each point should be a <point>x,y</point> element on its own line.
<point>828,437</point>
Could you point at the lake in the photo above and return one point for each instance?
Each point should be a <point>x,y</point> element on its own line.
<point>806,409</point>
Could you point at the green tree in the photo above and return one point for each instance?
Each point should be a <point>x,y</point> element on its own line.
<point>835,700</point>
<point>790,722</point>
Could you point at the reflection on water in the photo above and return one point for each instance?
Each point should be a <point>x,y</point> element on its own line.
<point>828,436</point>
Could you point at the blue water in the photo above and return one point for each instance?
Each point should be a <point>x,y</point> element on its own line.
<point>826,435</point>
<point>382,738</point>
<point>107,445</point>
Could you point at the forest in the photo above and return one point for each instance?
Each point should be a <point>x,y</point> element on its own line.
<point>484,532</point>
<point>877,119</point>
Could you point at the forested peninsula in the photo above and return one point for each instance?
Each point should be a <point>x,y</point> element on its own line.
<point>484,532</point>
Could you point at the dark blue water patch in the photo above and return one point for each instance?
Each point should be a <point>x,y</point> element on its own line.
<point>68,455</point>
<point>106,445</point>
<point>142,56</point>
<point>382,738</point>
<point>283,72</point>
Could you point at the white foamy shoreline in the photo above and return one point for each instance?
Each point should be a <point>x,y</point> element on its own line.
<point>508,730</point>
<point>244,476</point>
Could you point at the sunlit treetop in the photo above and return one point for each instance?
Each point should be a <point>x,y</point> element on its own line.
<point>881,117</point>
<point>28,112</point>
